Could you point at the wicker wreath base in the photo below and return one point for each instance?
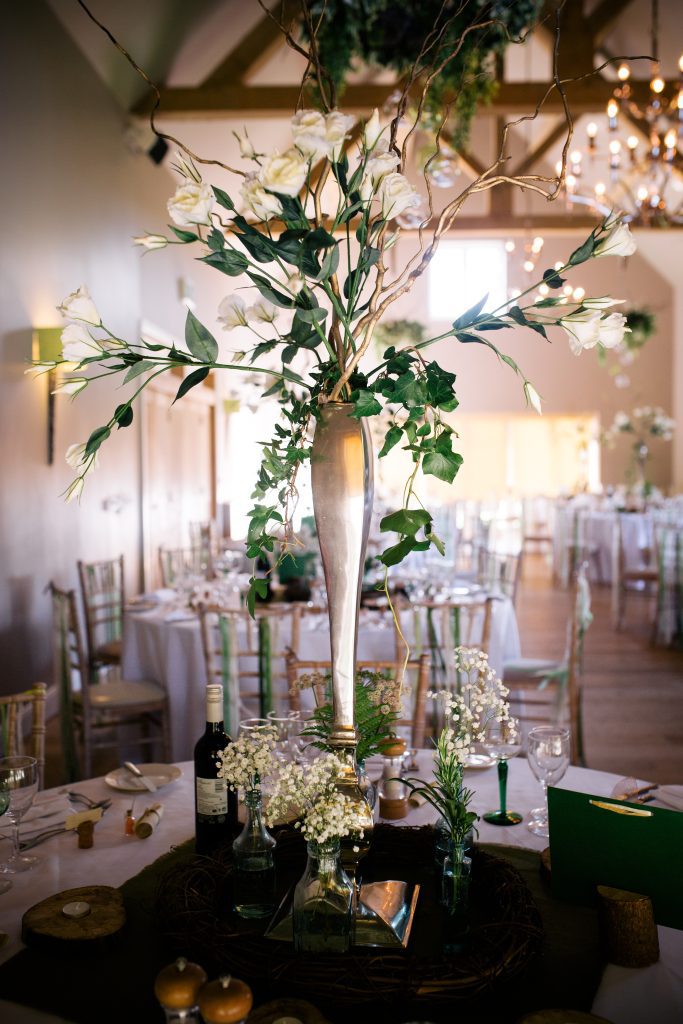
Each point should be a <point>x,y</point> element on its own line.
<point>505,934</point>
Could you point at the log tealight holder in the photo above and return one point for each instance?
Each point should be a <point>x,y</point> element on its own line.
<point>628,927</point>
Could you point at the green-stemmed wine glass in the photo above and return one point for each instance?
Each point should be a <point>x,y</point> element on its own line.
<point>503,740</point>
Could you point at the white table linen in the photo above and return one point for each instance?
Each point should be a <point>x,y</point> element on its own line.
<point>170,653</point>
<point>625,996</point>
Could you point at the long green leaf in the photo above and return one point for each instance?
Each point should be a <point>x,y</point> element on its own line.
<point>199,340</point>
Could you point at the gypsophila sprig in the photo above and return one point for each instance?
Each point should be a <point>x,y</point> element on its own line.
<point>308,793</point>
<point>247,761</point>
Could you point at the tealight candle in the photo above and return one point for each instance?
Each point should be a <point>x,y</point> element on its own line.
<point>76,909</point>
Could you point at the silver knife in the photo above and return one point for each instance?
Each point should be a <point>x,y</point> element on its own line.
<point>134,770</point>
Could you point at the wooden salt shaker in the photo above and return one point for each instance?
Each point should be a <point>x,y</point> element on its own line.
<point>177,989</point>
<point>225,1001</point>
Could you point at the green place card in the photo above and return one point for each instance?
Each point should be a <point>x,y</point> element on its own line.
<point>596,840</point>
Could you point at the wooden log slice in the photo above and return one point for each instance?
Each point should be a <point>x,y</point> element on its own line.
<point>562,1017</point>
<point>46,924</point>
<point>289,1010</point>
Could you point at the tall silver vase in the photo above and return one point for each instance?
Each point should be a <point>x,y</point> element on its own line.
<point>342,485</point>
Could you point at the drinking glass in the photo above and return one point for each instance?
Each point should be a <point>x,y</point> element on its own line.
<point>548,755</point>
<point>4,804</point>
<point>286,730</point>
<point>503,740</point>
<point>19,783</point>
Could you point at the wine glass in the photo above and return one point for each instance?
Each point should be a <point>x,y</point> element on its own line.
<point>4,804</point>
<point>548,756</point>
<point>19,782</point>
<point>503,740</point>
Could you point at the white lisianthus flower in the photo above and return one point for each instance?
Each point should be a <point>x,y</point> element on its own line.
<point>532,396</point>
<point>246,148</point>
<point>37,368</point>
<point>583,330</point>
<point>612,329</point>
<point>337,128</point>
<point>232,313</point>
<point>185,167</point>
<point>83,464</point>
<point>73,386</point>
<point>601,302</point>
<point>263,312</point>
<point>294,283</point>
<point>79,306</point>
<point>284,173</point>
<point>75,455</point>
<point>261,203</point>
<point>191,203</point>
<point>617,242</point>
<point>308,131</point>
<point>151,241</point>
<point>396,194</point>
<point>78,345</point>
<point>75,489</point>
<point>372,130</point>
<point>380,165</point>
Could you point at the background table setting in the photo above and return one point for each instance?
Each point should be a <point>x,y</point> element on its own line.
<point>622,994</point>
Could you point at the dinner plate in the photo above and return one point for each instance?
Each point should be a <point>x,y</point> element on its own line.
<point>141,606</point>
<point>160,774</point>
<point>475,761</point>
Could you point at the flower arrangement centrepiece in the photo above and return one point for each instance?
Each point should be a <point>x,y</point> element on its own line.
<point>324,898</point>
<point>244,764</point>
<point>644,423</point>
<point>479,701</point>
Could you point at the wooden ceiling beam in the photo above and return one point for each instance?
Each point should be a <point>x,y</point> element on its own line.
<point>602,19</point>
<point>586,97</point>
<point>254,49</point>
<point>540,149</point>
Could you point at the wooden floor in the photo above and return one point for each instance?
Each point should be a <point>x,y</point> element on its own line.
<point>632,693</point>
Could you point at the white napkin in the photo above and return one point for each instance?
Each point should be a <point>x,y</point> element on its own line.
<point>670,796</point>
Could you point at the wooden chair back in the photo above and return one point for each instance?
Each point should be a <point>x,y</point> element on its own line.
<point>450,624</point>
<point>175,563</point>
<point>102,592</point>
<point>500,573</point>
<point>419,667</point>
<point>629,572</point>
<point>14,708</point>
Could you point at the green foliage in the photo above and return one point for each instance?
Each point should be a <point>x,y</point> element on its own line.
<point>391,33</point>
<point>642,324</point>
<point>446,794</point>
<point>374,719</point>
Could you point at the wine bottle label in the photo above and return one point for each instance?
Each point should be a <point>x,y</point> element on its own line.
<point>212,796</point>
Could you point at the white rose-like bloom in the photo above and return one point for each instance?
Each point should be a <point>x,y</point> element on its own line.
<point>294,283</point>
<point>601,302</point>
<point>263,312</point>
<point>79,306</point>
<point>372,130</point>
<point>77,344</point>
<point>191,203</point>
<point>246,148</point>
<point>396,194</point>
<point>337,128</point>
<point>260,202</point>
<point>284,173</point>
<point>583,330</point>
<point>617,242</point>
<point>308,131</point>
<point>380,165</point>
<point>612,329</point>
<point>232,313</point>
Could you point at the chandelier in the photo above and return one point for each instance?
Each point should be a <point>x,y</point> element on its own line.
<point>633,164</point>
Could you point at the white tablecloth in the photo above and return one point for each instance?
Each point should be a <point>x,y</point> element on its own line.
<point>170,653</point>
<point>625,996</point>
<point>593,532</point>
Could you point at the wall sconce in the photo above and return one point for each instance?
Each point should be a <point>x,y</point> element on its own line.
<point>47,348</point>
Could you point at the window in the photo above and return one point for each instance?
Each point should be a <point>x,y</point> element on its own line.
<point>463,272</point>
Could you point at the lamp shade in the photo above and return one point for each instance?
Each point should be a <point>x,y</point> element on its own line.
<point>47,344</point>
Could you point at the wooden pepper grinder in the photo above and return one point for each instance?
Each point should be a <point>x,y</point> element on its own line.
<point>177,989</point>
<point>225,1001</point>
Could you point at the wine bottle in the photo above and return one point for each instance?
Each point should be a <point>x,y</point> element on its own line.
<point>215,805</point>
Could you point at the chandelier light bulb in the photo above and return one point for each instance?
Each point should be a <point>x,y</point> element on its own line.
<point>612,109</point>
<point>537,245</point>
<point>680,63</point>
<point>600,189</point>
<point>670,139</point>
<point>642,194</point>
<point>509,246</point>
<point>632,142</point>
<point>615,147</point>
<point>529,265</point>
<point>578,294</point>
<point>559,265</point>
<point>657,84</point>
<point>623,72</point>
<point>571,182</point>
<point>567,290</point>
<point>558,168</point>
<point>543,289</point>
<point>679,99</point>
<point>591,129</point>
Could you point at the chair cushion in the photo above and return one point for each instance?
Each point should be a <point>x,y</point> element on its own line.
<point>528,668</point>
<point>111,651</point>
<point>122,692</point>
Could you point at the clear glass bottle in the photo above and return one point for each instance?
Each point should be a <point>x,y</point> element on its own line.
<point>253,863</point>
<point>366,785</point>
<point>455,892</point>
<point>322,912</point>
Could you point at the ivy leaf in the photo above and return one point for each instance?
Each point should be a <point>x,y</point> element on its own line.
<point>199,340</point>
<point>392,437</point>
<point>124,415</point>
<point>223,199</point>
<point>191,381</point>
<point>257,588</point>
<point>443,465</point>
<point>471,315</point>
<point>553,279</point>
<point>364,404</point>
<point>406,521</point>
<point>397,552</point>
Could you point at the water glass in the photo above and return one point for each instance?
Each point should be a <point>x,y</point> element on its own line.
<point>18,786</point>
<point>548,750</point>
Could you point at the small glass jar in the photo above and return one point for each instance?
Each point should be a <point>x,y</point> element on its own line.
<point>455,893</point>
<point>392,790</point>
<point>322,912</point>
<point>367,786</point>
<point>253,875</point>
